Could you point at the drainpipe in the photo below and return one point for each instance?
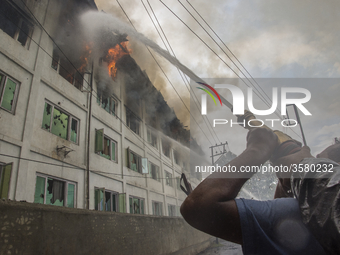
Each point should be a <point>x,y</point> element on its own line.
<point>87,196</point>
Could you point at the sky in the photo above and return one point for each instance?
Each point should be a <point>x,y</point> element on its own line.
<point>279,40</point>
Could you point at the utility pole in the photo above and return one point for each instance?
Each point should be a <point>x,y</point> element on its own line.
<point>223,151</point>
<point>223,145</point>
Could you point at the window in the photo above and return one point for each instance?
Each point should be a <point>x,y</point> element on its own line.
<point>176,157</point>
<point>136,205</point>
<point>157,208</point>
<point>109,104</point>
<point>60,123</point>
<point>14,24</point>
<point>132,121</point>
<point>54,191</point>
<point>105,146</point>
<point>152,138</point>
<point>168,178</point>
<point>106,200</point>
<point>5,178</point>
<point>67,70</point>
<point>134,161</point>
<point>9,90</point>
<point>166,148</point>
<point>172,210</point>
<point>178,182</point>
<point>154,171</point>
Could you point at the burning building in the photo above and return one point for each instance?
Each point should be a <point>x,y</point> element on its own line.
<point>82,126</point>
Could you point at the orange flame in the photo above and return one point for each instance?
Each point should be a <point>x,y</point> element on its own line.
<point>113,55</point>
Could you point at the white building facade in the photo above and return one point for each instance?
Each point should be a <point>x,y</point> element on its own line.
<point>62,142</point>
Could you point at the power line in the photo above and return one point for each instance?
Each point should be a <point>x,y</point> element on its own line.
<point>165,74</point>
<point>187,85</point>
<point>174,55</point>
<point>79,168</point>
<point>217,54</point>
<point>227,48</point>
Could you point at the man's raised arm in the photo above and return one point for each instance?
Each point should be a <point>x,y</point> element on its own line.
<point>211,207</point>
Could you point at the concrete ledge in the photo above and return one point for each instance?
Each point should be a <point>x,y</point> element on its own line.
<point>27,228</point>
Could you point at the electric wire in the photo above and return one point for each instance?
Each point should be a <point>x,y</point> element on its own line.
<point>217,55</point>
<point>209,47</point>
<point>227,48</point>
<point>174,55</point>
<point>79,168</point>
<point>165,75</point>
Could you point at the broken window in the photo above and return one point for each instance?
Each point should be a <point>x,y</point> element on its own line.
<point>136,205</point>
<point>134,161</point>
<point>166,148</point>
<point>109,104</point>
<point>13,23</point>
<point>132,121</point>
<point>60,123</point>
<point>104,146</point>
<point>154,172</point>
<point>9,89</point>
<point>106,200</point>
<point>152,138</point>
<point>157,208</point>
<point>168,178</point>
<point>68,71</point>
<point>172,210</point>
<point>5,178</point>
<point>53,191</point>
<point>176,157</point>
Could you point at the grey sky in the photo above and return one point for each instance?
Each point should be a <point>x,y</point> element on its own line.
<point>272,39</point>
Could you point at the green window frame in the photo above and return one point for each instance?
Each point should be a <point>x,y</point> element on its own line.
<point>60,123</point>
<point>109,104</point>
<point>5,180</point>
<point>55,191</point>
<point>136,205</point>
<point>134,161</point>
<point>106,200</point>
<point>154,171</point>
<point>9,91</point>
<point>168,179</point>
<point>157,208</point>
<point>105,146</point>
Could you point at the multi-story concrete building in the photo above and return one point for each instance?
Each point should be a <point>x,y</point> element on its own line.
<point>72,136</point>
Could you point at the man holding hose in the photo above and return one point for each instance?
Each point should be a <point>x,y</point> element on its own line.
<point>296,222</point>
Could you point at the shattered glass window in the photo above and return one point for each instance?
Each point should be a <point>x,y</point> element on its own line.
<point>132,121</point>
<point>23,33</point>
<point>8,96</point>
<point>60,123</point>
<point>55,60</point>
<point>54,192</point>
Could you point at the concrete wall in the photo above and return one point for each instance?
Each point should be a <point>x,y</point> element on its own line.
<point>41,229</point>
